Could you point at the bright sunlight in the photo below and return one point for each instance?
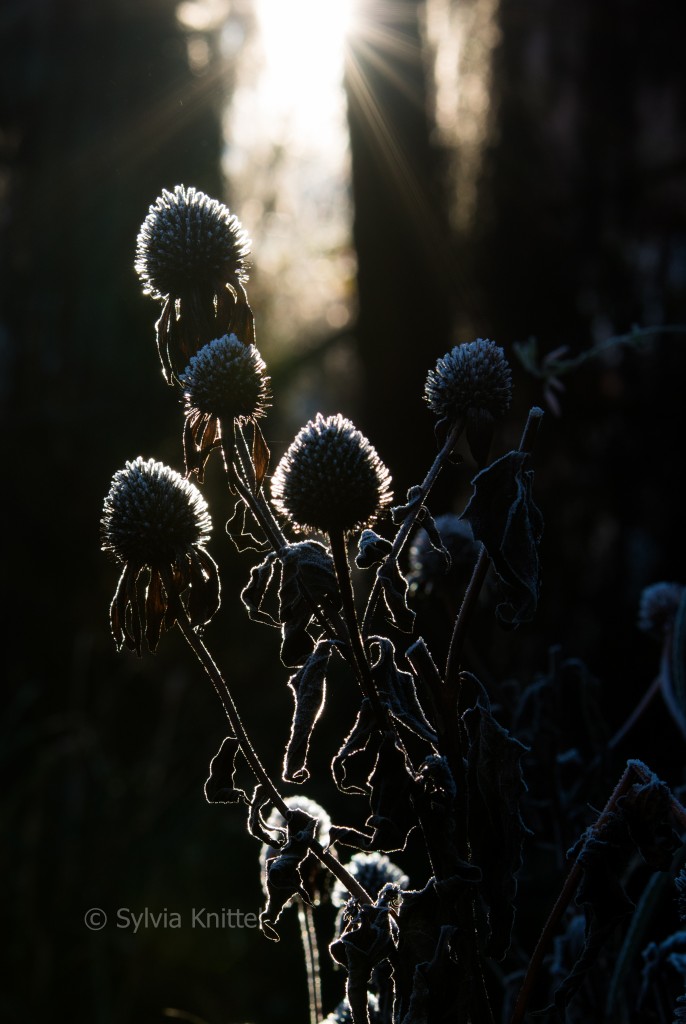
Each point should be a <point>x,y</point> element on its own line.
<point>302,45</point>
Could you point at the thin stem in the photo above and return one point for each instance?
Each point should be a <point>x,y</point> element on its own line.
<point>635,715</point>
<point>260,773</point>
<point>308,937</point>
<point>342,569</point>
<point>205,658</point>
<point>404,531</point>
<point>480,572</point>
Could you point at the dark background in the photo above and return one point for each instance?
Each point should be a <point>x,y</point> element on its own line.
<point>580,233</point>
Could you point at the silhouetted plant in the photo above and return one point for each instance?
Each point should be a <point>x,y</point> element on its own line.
<point>427,747</point>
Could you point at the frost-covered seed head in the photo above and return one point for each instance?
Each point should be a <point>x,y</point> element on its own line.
<point>188,240</point>
<point>331,478</point>
<point>152,514</point>
<point>227,379</point>
<point>657,608</point>
<point>472,376</point>
<point>372,871</point>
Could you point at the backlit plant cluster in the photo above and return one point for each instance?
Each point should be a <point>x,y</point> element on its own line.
<point>429,749</point>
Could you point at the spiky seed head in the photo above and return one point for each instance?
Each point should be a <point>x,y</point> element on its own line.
<point>372,871</point>
<point>331,478</point>
<point>474,376</point>
<point>657,608</point>
<point>152,515</point>
<point>188,241</point>
<point>227,379</point>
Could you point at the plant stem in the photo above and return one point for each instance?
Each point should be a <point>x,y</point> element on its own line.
<point>480,572</point>
<point>308,937</point>
<point>250,754</point>
<point>635,715</point>
<point>364,675</point>
<point>404,531</point>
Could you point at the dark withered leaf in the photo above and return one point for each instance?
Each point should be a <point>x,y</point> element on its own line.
<point>306,566</point>
<point>503,516</point>
<point>201,436</point>
<point>254,593</point>
<point>366,941</point>
<point>155,608</point>
<point>296,643</point>
<point>399,513</point>
<point>602,855</point>
<point>242,320</point>
<point>394,589</point>
<point>309,690</point>
<point>497,832</point>
<point>283,878</point>
<point>257,826</point>
<point>204,597</point>
<point>647,811</point>
<point>349,778</point>
<point>397,690</point>
<point>219,788</point>
<point>479,433</point>
<point>431,977</point>
<point>372,549</point>
<point>260,456</point>
<point>423,916</point>
<point>245,531</point>
<point>359,839</point>
<point>428,524</point>
<point>393,816</point>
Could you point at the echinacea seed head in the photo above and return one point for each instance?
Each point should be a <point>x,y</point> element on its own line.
<point>227,379</point>
<point>152,515</point>
<point>187,241</point>
<point>331,479</point>
<point>474,376</point>
<point>372,871</point>
<point>657,608</point>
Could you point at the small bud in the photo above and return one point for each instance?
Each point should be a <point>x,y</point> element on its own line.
<point>331,478</point>
<point>227,379</point>
<point>472,378</point>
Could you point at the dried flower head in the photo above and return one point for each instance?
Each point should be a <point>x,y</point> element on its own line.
<point>372,871</point>
<point>154,519</point>
<point>227,380</point>
<point>429,569</point>
<point>191,254</point>
<point>657,608</point>
<point>472,376</point>
<point>331,478</point>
